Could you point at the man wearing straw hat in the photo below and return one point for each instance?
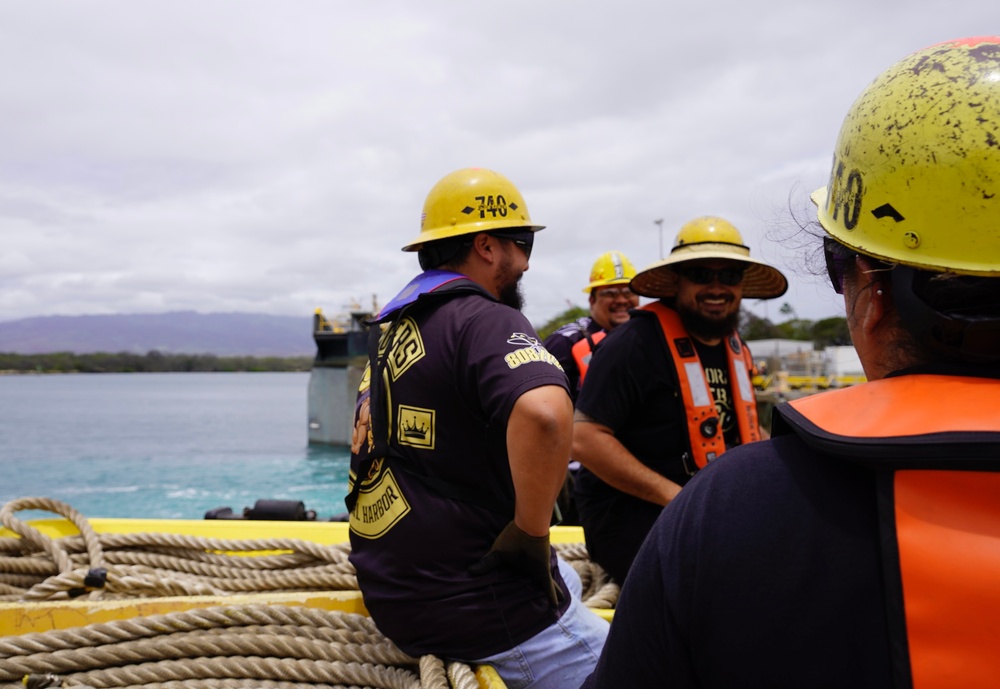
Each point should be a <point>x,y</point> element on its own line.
<point>668,391</point>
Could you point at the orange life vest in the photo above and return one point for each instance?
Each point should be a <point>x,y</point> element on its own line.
<point>935,442</point>
<point>704,428</point>
<point>584,349</point>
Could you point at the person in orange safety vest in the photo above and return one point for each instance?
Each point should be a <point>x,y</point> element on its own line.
<point>610,302</point>
<point>668,391</point>
<point>860,546</point>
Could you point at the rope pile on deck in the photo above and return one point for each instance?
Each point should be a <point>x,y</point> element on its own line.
<point>35,567</point>
<point>235,646</point>
<point>261,646</point>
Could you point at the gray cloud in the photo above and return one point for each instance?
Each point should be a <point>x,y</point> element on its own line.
<point>254,156</point>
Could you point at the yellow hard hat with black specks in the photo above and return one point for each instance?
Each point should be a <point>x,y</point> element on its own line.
<point>915,177</point>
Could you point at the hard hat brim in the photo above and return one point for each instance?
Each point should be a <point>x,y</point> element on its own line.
<point>605,283</point>
<point>760,280</point>
<point>435,235</point>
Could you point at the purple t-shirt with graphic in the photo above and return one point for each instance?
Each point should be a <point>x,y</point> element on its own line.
<point>455,372</point>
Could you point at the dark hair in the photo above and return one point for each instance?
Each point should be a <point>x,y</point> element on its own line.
<point>956,317</point>
<point>940,316</point>
<point>445,253</point>
<point>959,295</point>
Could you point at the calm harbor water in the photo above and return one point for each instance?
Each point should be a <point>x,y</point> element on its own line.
<point>169,445</point>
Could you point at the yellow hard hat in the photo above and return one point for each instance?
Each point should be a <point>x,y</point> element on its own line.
<point>468,201</point>
<point>708,230</point>
<point>916,169</point>
<point>710,237</point>
<point>612,268</point>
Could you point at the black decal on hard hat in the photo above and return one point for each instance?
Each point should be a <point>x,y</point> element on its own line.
<point>887,211</point>
<point>493,206</point>
<point>852,200</point>
<point>836,174</point>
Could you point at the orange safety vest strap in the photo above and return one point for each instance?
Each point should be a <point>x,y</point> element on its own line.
<point>876,409</point>
<point>704,429</point>
<point>583,351</point>
<point>929,414</point>
<point>948,532</point>
<point>931,440</point>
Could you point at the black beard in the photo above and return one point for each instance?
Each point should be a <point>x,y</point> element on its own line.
<point>708,328</point>
<point>510,295</point>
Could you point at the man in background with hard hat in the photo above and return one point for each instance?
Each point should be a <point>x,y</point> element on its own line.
<point>668,391</point>
<point>461,442</point>
<point>610,301</point>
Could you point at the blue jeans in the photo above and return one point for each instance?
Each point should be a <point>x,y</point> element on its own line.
<point>561,656</point>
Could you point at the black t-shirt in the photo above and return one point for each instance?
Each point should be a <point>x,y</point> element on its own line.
<point>456,371</point>
<point>764,572</point>
<point>631,388</point>
<point>715,362</point>
<point>560,345</point>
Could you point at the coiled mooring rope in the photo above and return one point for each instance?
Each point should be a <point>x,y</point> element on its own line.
<point>259,646</point>
<point>35,567</point>
<point>293,646</point>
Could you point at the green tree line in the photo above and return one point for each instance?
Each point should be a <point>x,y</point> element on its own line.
<point>822,333</point>
<point>150,362</point>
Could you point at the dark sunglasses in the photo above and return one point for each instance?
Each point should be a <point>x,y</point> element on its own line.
<point>524,239</point>
<point>700,275</point>
<point>837,257</point>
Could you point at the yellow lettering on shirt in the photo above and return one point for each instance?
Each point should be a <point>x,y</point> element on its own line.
<point>380,506</point>
<point>407,349</point>
<point>366,379</point>
<point>529,355</point>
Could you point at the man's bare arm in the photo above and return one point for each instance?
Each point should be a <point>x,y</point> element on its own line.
<point>596,447</point>
<point>538,440</point>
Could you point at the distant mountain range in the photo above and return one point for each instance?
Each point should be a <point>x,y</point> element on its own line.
<point>179,332</point>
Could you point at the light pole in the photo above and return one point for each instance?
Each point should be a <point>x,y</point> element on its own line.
<point>659,223</point>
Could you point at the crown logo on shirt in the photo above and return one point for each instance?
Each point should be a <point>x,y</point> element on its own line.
<point>411,430</point>
<point>416,427</point>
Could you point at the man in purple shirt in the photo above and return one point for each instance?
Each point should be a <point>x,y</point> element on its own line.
<point>461,443</point>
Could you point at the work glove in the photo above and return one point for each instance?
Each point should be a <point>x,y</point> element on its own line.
<point>527,554</point>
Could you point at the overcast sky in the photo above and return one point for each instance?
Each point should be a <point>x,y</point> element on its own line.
<point>274,156</point>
